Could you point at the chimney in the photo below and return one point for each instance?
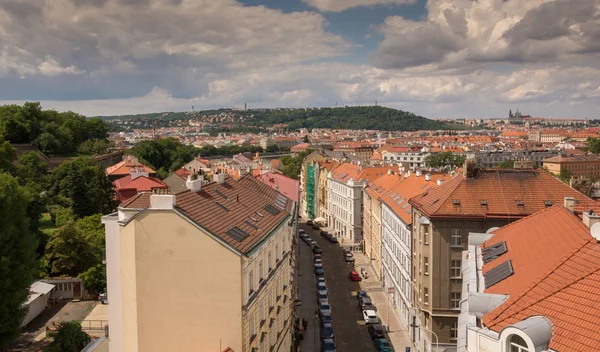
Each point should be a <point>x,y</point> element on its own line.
<point>162,201</point>
<point>469,169</point>
<point>570,204</point>
<point>218,177</point>
<point>390,172</point>
<point>590,218</point>
<point>427,177</point>
<point>418,173</point>
<point>194,182</point>
<point>440,182</point>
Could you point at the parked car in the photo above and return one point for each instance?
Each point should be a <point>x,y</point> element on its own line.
<point>331,238</point>
<point>324,233</point>
<point>309,222</point>
<point>318,261</point>
<point>301,231</point>
<point>361,294</point>
<point>376,331</point>
<point>322,291</point>
<point>321,285</point>
<point>320,280</point>
<point>354,276</point>
<point>316,227</point>
<point>370,317</point>
<point>317,255</point>
<point>383,345</point>
<point>321,296</point>
<point>366,304</point>
<point>326,331</point>
<point>298,302</point>
<point>317,249</point>
<point>103,297</point>
<point>324,308</point>
<point>349,257</point>
<point>328,345</point>
<point>326,318</point>
<point>319,271</point>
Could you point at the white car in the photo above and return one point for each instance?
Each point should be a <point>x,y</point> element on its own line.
<point>370,317</point>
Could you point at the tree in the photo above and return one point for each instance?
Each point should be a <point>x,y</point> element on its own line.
<point>17,257</point>
<point>445,159</point>
<point>31,169</point>
<point>594,145</point>
<point>76,190</point>
<point>94,279</point>
<point>7,156</point>
<point>68,251</point>
<point>293,165</point>
<point>507,164</point>
<point>101,193</point>
<point>306,140</point>
<point>565,175</point>
<point>69,338</point>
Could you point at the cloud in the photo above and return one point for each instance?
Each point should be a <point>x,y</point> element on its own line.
<point>50,67</point>
<point>342,5</point>
<point>465,32</point>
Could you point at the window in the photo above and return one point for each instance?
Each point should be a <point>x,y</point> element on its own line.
<point>455,300</point>
<point>261,271</point>
<point>454,330</point>
<point>426,263</point>
<point>251,322</point>
<point>250,283</point>
<point>426,235</point>
<point>277,253</point>
<point>426,295</point>
<point>455,268</point>
<point>517,344</point>
<point>262,312</point>
<point>456,239</point>
<point>270,262</point>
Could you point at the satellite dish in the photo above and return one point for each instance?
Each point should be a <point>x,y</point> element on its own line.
<point>492,229</point>
<point>595,231</point>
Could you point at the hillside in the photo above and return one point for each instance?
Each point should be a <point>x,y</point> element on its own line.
<point>360,117</point>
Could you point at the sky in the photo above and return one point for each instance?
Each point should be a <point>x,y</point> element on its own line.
<point>436,58</point>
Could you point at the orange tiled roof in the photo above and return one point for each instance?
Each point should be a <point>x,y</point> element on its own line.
<point>123,167</point>
<point>372,173</point>
<point>329,165</point>
<point>140,183</point>
<point>183,173</point>
<point>501,189</point>
<point>573,159</point>
<point>299,147</point>
<point>243,199</point>
<point>563,286</point>
<point>345,172</point>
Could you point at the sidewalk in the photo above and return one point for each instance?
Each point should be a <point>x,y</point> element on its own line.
<point>398,334</point>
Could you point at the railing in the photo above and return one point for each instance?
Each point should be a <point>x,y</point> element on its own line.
<point>94,324</point>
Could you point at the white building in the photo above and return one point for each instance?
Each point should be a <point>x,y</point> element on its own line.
<point>345,203</point>
<point>533,285</point>
<point>413,156</point>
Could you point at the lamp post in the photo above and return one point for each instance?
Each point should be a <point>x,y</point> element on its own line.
<point>437,341</point>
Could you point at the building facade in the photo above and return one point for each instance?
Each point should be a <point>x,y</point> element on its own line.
<point>580,166</point>
<point>345,203</point>
<point>414,157</point>
<point>203,270</point>
<point>448,213</point>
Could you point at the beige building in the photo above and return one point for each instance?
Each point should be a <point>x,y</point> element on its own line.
<point>443,217</point>
<point>206,269</point>
<point>586,166</point>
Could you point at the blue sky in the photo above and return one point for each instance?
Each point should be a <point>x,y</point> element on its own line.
<point>437,58</point>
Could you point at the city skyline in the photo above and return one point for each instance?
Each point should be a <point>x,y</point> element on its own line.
<point>436,58</point>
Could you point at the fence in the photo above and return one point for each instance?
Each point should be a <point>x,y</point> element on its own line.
<point>94,324</point>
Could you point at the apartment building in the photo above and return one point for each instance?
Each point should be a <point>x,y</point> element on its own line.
<point>413,156</point>
<point>362,150</point>
<point>397,235</point>
<point>491,159</point>
<point>206,269</point>
<point>543,297</point>
<point>586,166</point>
<point>309,176</point>
<point>473,202</point>
<point>322,200</point>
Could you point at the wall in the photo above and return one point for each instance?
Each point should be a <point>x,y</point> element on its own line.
<point>181,288</point>
<point>113,284</point>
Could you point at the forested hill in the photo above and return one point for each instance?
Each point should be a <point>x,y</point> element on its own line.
<point>359,117</point>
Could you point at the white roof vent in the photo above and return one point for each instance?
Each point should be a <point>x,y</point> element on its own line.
<point>595,231</point>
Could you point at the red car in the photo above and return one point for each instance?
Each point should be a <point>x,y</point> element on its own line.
<point>354,276</point>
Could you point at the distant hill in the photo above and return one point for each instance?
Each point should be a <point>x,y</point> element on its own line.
<point>357,117</point>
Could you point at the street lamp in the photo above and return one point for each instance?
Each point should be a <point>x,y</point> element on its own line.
<point>437,341</point>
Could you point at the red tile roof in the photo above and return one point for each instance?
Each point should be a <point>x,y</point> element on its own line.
<point>299,147</point>
<point>126,187</point>
<point>238,203</point>
<point>283,184</point>
<point>345,172</point>
<point>123,167</point>
<point>556,266</point>
<point>183,173</point>
<point>501,189</point>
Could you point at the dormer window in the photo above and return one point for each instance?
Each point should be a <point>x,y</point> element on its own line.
<point>483,202</point>
<point>456,202</point>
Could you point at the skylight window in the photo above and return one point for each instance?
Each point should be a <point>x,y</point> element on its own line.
<point>520,203</point>
<point>483,202</point>
<point>456,201</point>
<point>548,203</point>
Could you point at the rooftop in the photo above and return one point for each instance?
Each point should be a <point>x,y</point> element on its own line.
<point>562,287</point>
<point>572,159</point>
<point>123,167</point>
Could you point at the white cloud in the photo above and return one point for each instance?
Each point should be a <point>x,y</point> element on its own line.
<point>342,5</point>
<point>50,67</point>
<point>466,32</point>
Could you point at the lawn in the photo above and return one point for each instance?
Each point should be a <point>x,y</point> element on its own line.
<point>46,225</point>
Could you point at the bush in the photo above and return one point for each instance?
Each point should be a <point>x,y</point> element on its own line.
<point>69,338</point>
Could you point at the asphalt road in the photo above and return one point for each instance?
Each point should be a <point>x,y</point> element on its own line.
<point>351,334</point>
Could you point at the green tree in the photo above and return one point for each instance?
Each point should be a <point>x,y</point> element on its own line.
<point>17,257</point>
<point>101,193</point>
<point>565,175</point>
<point>76,190</point>
<point>445,159</point>
<point>61,215</point>
<point>306,140</point>
<point>293,165</point>
<point>7,156</point>
<point>68,251</point>
<point>31,169</point>
<point>69,338</point>
<point>594,145</point>
<point>94,279</point>
<point>507,164</point>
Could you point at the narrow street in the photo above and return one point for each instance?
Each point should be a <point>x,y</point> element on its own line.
<point>351,334</point>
